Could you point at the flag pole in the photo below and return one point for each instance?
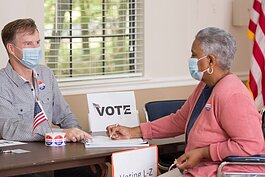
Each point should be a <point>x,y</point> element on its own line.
<point>49,125</point>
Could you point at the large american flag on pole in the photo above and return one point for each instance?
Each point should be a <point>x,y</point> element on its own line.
<point>39,115</point>
<point>256,32</point>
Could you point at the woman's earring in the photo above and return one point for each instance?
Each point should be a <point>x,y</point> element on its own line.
<point>210,70</point>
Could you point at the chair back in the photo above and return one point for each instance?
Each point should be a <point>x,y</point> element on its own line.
<point>157,109</point>
<point>167,152</point>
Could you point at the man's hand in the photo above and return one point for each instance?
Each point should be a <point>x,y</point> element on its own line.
<point>76,134</point>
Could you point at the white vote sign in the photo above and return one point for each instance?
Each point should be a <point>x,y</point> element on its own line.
<point>111,108</point>
<point>141,162</point>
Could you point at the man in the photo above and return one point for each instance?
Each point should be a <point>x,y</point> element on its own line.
<point>23,83</point>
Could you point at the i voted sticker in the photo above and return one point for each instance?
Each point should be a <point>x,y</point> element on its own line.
<point>48,140</point>
<point>59,140</point>
<point>55,139</point>
<point>41,85</point>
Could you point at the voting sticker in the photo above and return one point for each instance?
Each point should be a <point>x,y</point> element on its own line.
<point>208,107</point>
<point>41,85</point>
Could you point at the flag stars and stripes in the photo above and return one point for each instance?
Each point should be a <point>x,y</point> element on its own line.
<point>39,115</point>
<point>256,32</point>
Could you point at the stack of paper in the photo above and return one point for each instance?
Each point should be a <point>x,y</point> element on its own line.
<point>104,141</point>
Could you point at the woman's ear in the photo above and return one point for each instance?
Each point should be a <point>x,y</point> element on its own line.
<point>212,59</point>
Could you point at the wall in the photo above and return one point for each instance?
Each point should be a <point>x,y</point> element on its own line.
<point>11,10</point>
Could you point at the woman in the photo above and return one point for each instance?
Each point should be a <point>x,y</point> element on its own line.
<point>219,118</point>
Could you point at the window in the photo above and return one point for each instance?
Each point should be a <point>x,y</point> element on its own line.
<point>94,39</point>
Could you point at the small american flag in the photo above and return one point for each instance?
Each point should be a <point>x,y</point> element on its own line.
<point>39,115</point>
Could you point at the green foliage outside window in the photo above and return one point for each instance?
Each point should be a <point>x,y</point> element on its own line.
<point>85,38</point>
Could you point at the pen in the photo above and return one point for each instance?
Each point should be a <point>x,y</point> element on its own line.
<point>5,151</point>
<point>116,125</point>
<point>8,151</point>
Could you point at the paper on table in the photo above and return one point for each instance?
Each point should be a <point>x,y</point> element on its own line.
<point>104,141</point>
<point>4,143</point>
<point>16,151</point>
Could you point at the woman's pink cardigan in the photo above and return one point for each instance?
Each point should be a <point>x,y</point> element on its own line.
<point>229,124</point>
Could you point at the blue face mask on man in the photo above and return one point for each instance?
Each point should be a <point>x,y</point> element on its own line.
<point>31,57</point>
<point>194,70</point>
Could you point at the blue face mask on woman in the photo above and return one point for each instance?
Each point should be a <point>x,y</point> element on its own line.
<point>194,70</point>
<point>31,57</point>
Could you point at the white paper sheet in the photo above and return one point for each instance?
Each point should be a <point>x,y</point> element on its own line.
<point>4,143</point>
<point>104,141</point>
<point>173,173</point>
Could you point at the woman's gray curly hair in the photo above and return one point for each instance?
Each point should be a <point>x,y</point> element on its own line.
<point>220,43</point>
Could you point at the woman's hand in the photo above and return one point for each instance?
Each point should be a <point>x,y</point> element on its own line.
<point>122,132</point>
<point>118,132</point>
<point>192,158</point>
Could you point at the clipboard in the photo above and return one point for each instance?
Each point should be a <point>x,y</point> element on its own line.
<point>105,141</point>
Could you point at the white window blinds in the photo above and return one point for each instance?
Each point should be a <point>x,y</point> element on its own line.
<point>94,39</point>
